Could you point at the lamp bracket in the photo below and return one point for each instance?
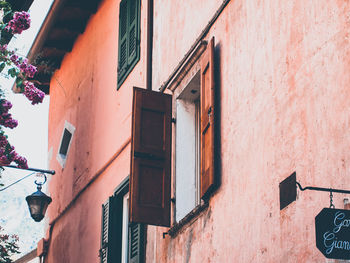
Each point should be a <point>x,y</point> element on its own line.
<point>39,184</point>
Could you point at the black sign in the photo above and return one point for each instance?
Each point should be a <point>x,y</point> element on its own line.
<point>333,233</point>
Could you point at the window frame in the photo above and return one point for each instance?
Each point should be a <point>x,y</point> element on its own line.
<point>187,112</point>
<point>202,62</point>
<point>151,143</point>
<point>60,157</point>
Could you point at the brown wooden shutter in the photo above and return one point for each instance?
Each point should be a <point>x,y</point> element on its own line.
<point>207,120</point>
<point>150,158</point>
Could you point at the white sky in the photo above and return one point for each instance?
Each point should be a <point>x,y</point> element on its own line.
<point>30,141</point>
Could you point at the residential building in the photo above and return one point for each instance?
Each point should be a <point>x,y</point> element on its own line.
<point>173,123</point>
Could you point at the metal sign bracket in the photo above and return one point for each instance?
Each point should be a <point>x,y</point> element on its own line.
<point>288,191</point>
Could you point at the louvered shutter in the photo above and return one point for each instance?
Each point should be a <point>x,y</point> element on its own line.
<point>150,158</point>
<point>123,38</point>
<point>133,23</point>
<point>129,38</point>
<point>105,251</point>
<point>207,110</point>
<point>136,243</point>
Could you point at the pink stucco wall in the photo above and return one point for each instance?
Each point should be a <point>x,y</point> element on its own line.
<point>283,73</point>
<point>84,93</point>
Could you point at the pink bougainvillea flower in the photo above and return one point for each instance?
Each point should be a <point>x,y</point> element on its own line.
<point>5,105</point>
<point>20,22</point>
<point>30,71</point>
<point>32,93</point>
<point>21,162</point>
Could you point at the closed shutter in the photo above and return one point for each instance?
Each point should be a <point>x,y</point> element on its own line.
<point>105,251</point>
<point>136,243</point>
<point>129,37</point>
<point>150,158</point>
<point>133,30</point>
<point>123,38</point>
<point>207,110</point>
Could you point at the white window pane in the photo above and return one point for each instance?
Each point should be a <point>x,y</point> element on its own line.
<point>125,228</point>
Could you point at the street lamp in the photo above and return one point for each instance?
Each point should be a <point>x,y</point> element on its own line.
<point>38,202</point>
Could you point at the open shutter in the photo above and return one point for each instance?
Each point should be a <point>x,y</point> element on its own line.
<point>136,243</point>
<point>105,251</point>
<point>207,120</point>
<point>123,38</point>
<point>133,30</point>
<point>150,158</point>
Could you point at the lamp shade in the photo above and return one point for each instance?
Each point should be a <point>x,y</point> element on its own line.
<point>38,203</point>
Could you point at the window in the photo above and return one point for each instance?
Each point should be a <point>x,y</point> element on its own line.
<point>66,140</point>
<point>151,140</point>
<point>120,241</point>
<point>129,38</point>
<point>187,149</point>
<point>194,142</point>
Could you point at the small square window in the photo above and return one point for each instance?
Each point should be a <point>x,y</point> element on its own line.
<point>66,140</point>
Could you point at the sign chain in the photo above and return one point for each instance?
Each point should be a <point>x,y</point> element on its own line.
<point>331,199</point>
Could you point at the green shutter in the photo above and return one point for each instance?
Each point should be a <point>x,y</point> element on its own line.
<point>109,232</point>
<point>132,30</point>
<point>129,38</point>
<point>136,243</point>
<point>123,38</point>
<point>105,233</point>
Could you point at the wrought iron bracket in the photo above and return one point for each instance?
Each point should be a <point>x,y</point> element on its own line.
<point>39,184</point>
<point>322,189</point>
<point>32,169</point>
<point>288,191</point>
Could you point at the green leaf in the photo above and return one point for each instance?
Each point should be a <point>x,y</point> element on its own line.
<point>19,82</point>
<point>2,65</point>
<point>13,72</point>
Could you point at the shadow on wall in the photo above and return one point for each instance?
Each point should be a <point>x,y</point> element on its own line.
<point>217,117</point>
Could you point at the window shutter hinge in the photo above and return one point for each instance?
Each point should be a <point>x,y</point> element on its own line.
<point>173,120</point>
<point>164,234</point>
<point>172,200</point>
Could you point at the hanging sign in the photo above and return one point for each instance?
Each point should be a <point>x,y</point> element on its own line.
<point>333,233</point>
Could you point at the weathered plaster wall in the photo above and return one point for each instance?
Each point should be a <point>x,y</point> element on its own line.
<point>283,82</point>
<point>177,24</point>
<point>84,92</point>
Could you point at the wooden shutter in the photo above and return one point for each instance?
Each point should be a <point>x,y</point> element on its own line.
<point>133,22</point>
<point>207,110</point>
<point>105,251</point>
<point>150,158</point>
<point>123,38</point>
<point>136,243</point>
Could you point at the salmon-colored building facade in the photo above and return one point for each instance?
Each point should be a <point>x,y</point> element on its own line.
<point>232,98</point>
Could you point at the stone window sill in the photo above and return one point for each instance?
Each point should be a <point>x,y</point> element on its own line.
<point>191,216</point>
